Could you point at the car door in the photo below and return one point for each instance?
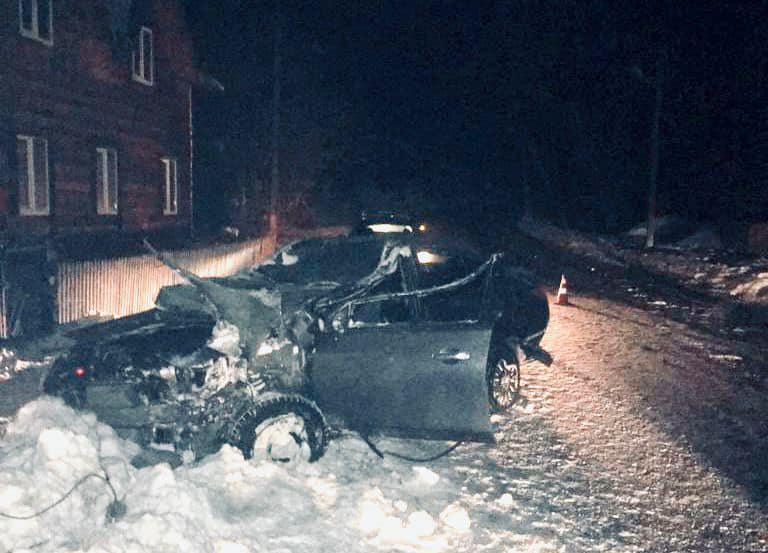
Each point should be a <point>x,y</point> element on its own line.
<point>394,371</point>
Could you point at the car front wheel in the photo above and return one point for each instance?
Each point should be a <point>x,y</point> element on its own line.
<point>285,429</point>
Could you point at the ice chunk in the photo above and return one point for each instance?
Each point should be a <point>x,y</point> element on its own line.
<point>421,524</point>
<point>456,517</point>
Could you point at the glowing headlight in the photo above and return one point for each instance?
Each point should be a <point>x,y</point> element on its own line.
<point>390,227</point>
<point>423,227</point>
<point>428,258</point>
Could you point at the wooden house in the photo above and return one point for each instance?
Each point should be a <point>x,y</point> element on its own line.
<point>95,129</point>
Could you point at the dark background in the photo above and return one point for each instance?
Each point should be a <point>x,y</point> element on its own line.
<point>477,110</point>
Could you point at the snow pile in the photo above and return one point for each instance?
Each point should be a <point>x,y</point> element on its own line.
<point>719,273</point>
<point>703,239</point>
<point>596,249</point>
<point>669,228</point>
<point>755,290</point>
<point>348,501</point>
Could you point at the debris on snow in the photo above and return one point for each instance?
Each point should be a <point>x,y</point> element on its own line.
<point>11,364</point>
<point>225,338</point>
<point>270,298</point>
<point>726,357</point>
<point>755,290</point>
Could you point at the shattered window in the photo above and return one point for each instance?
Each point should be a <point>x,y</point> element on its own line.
<point>336,261</point>
<point>461,304</point>
<point>386,310</point>
<point>437,268</point>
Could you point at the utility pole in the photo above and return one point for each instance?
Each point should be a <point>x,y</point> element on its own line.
<point>275,185</point>
<point>650,237</point>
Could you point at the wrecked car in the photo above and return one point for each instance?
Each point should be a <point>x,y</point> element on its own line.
<point>374,334</point>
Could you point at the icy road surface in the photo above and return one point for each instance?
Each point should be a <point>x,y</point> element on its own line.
<point>644,436</point>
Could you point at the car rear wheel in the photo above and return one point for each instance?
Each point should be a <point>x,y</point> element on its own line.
<point>285,429</point>
<point>504,382</point>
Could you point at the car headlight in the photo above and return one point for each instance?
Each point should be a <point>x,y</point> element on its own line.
<point>389,227</point>
<point>426,257</point>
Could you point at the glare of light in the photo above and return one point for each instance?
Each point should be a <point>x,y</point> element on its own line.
<point>427,258</point>
<point>423,227</point>
<point>421,524</point>
<point>79,372</point>
<point>265,348</point>
<point>390,227</point>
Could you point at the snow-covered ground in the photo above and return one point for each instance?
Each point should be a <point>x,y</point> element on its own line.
<point>351,500</point>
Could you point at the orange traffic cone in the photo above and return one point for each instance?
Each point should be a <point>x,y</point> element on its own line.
<point>562,292</point>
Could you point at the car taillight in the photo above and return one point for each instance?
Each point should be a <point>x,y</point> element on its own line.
<point>79,372</point>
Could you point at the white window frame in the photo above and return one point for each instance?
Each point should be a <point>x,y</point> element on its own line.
<point>143,59</point>
<point>34,31</point>
<point>170,186</point>
<point>31,208</point>
<point>106,190</point>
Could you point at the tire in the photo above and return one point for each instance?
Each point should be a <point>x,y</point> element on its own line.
<point>284,429</point>
<point>503,377</point>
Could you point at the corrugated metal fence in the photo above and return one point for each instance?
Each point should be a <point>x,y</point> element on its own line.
<point>3,311</point>
<point>124,286</point>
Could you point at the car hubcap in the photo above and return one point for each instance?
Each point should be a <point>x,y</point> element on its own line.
<point>505,383</point>
<point>282,439</point>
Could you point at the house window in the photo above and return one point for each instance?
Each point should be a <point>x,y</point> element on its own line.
<point>143,58</point>
<point>106,181</point>
<point>171,189</point>
<point>36,20</point>
<point>32,158</point>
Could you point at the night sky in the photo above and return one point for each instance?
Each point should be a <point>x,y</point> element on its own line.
<point>476,110</point>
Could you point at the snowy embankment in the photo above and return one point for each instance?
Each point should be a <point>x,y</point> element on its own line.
<point>697,260</point>
<point>349,501</point>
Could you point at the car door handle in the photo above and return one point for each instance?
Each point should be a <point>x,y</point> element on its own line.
<point>451,356</point>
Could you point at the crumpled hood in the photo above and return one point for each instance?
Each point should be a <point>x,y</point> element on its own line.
<point>259,306</point>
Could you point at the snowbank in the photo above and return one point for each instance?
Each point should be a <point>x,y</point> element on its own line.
<point>349,501</point>
<point>718,273</point>
<point>755,290</point>
<point>596,249</point>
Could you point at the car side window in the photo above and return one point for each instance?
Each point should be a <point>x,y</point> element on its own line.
<point>384,311</point>
<point>460,304</point>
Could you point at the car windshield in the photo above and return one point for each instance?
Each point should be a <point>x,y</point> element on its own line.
<point>325,260</point>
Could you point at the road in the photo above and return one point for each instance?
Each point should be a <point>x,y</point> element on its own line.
<point>645,435</point>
